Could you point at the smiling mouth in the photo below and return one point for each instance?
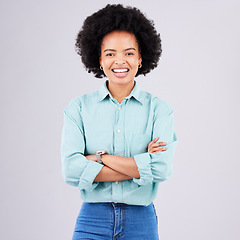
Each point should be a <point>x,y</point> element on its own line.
<point>120,70</point>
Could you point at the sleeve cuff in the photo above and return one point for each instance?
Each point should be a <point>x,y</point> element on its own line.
<point>143,163</point>
<point>89,174</point>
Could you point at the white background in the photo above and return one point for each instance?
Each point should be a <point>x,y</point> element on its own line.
<point>198,75</point>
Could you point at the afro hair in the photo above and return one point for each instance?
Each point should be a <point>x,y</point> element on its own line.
<point>116,17</point>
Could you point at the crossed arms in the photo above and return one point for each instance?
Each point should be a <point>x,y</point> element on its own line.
<point>119,168</point>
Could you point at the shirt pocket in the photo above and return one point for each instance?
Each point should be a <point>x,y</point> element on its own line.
<point>138,143</point>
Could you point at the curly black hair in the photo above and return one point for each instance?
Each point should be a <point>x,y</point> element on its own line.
<point>116,17</point>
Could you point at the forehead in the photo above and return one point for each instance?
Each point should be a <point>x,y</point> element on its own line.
<point>118,39</point>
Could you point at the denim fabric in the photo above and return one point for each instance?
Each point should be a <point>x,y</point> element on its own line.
<point>108,221</point>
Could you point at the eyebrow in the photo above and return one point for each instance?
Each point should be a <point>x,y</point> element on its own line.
<point>113,50</point>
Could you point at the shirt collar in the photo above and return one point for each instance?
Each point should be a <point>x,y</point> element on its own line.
<point>136,92</point>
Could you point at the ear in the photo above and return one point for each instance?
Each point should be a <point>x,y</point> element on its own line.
<point>140,58</point>
<point>100,61</point>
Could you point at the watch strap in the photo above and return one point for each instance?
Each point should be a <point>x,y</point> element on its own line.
<point>99,160</point>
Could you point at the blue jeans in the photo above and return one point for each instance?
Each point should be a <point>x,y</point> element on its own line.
<point>105,221</point>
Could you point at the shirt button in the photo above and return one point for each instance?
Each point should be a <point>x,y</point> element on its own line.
<point>116,182</point>
<point>119,108</point>
<point>118,131</point>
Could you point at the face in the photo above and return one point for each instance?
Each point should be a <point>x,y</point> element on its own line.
<point>120,57</point>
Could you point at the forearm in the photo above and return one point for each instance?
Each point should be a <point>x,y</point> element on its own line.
<point>109,175</point>
<point>124,165</point>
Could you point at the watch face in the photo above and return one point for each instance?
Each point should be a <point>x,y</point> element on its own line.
<point>101,152</point>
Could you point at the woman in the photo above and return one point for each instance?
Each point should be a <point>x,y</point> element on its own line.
<point>118,142</point>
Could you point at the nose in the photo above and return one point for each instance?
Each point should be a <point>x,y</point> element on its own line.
<point>120,60</point>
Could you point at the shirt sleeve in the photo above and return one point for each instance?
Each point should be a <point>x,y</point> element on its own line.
<point>157,167</point>
<point>77,170</point>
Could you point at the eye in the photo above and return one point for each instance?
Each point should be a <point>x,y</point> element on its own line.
<point>129,53</point>
<point>109,54</point>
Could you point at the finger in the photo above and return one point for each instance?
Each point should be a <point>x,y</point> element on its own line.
<point>152,150</point>
<point>153,141</point>
<point>158,144</point>
<point>155,150</point>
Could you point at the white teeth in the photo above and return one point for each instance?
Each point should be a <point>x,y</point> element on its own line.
<point>120,70</point>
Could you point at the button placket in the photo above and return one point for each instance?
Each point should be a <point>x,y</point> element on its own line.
<point>119,129</point>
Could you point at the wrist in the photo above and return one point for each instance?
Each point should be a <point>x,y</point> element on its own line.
<point>91,157</point>
<point>99,155</point>
<point>94,157</point>
<point>104,157</point>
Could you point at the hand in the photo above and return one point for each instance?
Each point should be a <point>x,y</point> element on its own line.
<point>153,146</point>
<point>92,157</point>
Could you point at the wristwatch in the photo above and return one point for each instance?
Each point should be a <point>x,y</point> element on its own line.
<point>98,154</point>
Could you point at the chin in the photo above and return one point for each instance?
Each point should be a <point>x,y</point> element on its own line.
<point>120,80</point>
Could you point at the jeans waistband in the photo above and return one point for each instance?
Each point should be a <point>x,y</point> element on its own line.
<point>110,203</point>
<point>116,204</point>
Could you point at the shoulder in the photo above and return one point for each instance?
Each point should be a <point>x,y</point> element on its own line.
<point>157,103</point>
<point>78,102</point>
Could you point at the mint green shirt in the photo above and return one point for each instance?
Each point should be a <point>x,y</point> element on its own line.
<point>96,121</point>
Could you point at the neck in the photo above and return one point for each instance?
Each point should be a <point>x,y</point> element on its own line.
<point>119,92</point>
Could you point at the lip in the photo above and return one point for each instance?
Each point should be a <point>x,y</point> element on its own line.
<point>120,74</point>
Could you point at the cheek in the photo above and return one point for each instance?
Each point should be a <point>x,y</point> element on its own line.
<point>134,63</point>
<point>106,63</point>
